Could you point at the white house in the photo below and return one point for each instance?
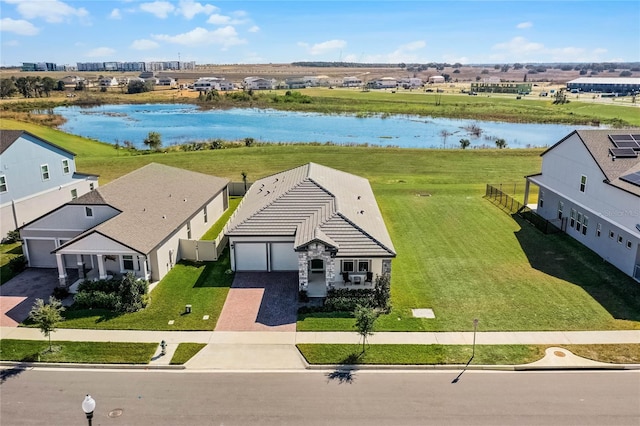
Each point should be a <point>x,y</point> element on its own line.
<point>205,84</point>
<point>410,82</point>
<point>108,82</point>
<point>321,222</point>
<point>351,82</point>
<point>258,83</point>
<point>132,224</point>
<point>435,79</point>
<point>167,81</point>
<point>590,188</point>
<point>36,176</point>
<point>384,83</point>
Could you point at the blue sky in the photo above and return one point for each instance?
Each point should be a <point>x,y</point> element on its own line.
<point>230,32</point>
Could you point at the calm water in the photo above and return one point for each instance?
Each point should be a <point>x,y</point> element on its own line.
<point>179,124</point>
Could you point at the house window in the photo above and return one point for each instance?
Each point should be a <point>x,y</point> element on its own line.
<point>317,265</point>
<point>188,230</point>
<point>541,199</point>
<point>611,234</point>
<point>3,183</point>
<point>91,186</point>
<point>127,262</point>
<point>629,244</point>
<point>598,229</point>
<point>620,239</point>
<point>88,212</point>
<point>206,215</point>
<point>363,266</point>
<point>74,194</point>
<point>579,222</point>
<point>585,225</point>
<point>347,266</point>
<point>583,183</point>
<point>572,222</point>
<point>65,166</point>
<point>560,208</point>
<point>44,171</point>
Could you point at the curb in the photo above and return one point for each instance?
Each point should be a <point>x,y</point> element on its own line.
<point>18,364</point>
<point>523,367</point>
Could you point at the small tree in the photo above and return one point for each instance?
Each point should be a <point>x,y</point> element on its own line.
<point>248,142</point>
<point>464,143</point>
<point>365,321</point>
<point>47,316</point>
<point>153,140</point>
<point>244,180</point>
<point>501,143</point>
<point>132,294</point>
<point>382,292</point>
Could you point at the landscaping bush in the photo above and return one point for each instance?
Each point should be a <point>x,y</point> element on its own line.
<point>12,237</point>
<point>128,294</point>
<point>95,300</point>
<point>60,293</point>
<point>18,264</point>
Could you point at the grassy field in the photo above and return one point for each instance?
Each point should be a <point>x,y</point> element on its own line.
<point>76,352</point>
<point>8,252</point>
<point>452,354</point>
<point>458,254</point>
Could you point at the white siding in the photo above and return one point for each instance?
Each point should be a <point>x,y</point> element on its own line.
<point>283,258</point>
<point>250,256</point>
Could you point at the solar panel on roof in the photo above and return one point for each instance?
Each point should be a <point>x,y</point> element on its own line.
<point>636,137</point>
<point>627,144</point>
<point>616,138</point>
<point>633,178</point>
<point>623,152</point>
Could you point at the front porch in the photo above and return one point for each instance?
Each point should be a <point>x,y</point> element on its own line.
<point>317,286</point>
<point>91,266</point>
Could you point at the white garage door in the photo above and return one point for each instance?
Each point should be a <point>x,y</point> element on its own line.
<point>283,258</point>
<point>40,253</point>
<point>250,256</point>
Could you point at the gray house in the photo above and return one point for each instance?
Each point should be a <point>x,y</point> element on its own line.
<point>133,224</point>
<point>36,176</point>
<point>590,188</point>
<point>321,222</point>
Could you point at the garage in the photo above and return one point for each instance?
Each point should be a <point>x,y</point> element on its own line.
<point>250,256</point>
<point>40,253</point>
<point>283,258</point>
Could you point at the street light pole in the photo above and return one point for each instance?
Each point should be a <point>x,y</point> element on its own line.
<point>475,328</point>
<point>88,405</point>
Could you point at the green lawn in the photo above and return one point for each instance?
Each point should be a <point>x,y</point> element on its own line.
<point>77,352</point>
<point>217,227</point>
<point>202,285</point>
<point>459,354</point>
<point>8,252</point>
<point>185,351</point>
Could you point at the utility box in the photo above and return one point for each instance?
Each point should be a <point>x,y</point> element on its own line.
<point>187,309</point>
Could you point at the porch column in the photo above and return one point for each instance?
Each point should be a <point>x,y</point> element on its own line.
<point>145,271</point>
<point>80,265</point>
<point>62,273</point>
<point>526,192</point>
<point>101,270</point>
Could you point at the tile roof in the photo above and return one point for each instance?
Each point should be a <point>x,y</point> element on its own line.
<point>154,201</point>
<point>315,203</point>
<point>8,137</point>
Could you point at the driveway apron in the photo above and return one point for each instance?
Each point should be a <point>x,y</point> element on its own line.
<point>261,301</point>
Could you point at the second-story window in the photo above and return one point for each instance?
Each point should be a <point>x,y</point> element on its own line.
<point>74,194</point>
<point>65,166</point>
<point>583,183</point>
<point>88,212</point>
<point>44,171</point>
<point>3,183</point>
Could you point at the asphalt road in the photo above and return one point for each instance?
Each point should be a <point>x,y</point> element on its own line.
<point>54,397</point>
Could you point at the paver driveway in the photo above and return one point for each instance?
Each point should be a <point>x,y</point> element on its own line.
<point>18,295</point>
<point>261,301</point>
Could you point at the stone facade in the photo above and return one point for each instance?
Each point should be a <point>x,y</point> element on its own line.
<point>386,266</point>
<point>315,251</point>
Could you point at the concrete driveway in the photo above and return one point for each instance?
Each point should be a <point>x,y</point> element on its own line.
<point>261,301</point>
<point>18,295</point>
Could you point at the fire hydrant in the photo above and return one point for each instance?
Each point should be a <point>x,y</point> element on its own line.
<point>163,348</point>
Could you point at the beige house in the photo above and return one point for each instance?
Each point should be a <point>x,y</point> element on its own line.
<point>321,222</point>
<point>133,224</point>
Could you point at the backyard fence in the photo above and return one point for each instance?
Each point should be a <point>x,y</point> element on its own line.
<point>513,206</point>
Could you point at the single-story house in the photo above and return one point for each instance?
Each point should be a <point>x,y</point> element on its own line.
<point>132,224</point>
<point>321,222</point>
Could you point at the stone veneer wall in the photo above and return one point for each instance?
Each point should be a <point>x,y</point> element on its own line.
<point>315,251</point>
<point>386,266</point>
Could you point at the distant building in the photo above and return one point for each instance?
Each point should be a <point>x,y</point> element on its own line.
<point>384,83</point>
<point>410,82</point>
<point>620,85</point>
<point>501,87</point>
<point>351,82</point>
<point>258,83</point>
<point>205,84</point>
<point>435,79</point>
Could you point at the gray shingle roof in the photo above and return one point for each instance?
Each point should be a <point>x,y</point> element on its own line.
<point>8,137</point>
<point>315,203</point>
<point>154,201</point>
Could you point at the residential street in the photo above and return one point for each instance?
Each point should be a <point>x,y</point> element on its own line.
<point>54,397</point>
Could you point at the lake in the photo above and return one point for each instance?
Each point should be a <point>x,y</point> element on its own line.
<point>183,123</point>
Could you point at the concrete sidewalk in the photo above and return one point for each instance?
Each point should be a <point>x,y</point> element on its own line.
<point>260,350</point>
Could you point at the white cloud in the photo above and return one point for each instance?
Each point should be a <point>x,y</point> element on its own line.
<point>189,8</point>
<point>52,11</point>
<point>144,44</point>
<point>115,14</point>
<point>520,49</point>
<point>254,29</point>
<point>225,36</point>
<point>524,25</point>
<point>324,47</point>
<point>11,43</point>
<point>18,26</point>
<point>404,53</point>
<point>161,9</point>
<point>217,19</point>
<point>237,18</point>
<point>100,52</point>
